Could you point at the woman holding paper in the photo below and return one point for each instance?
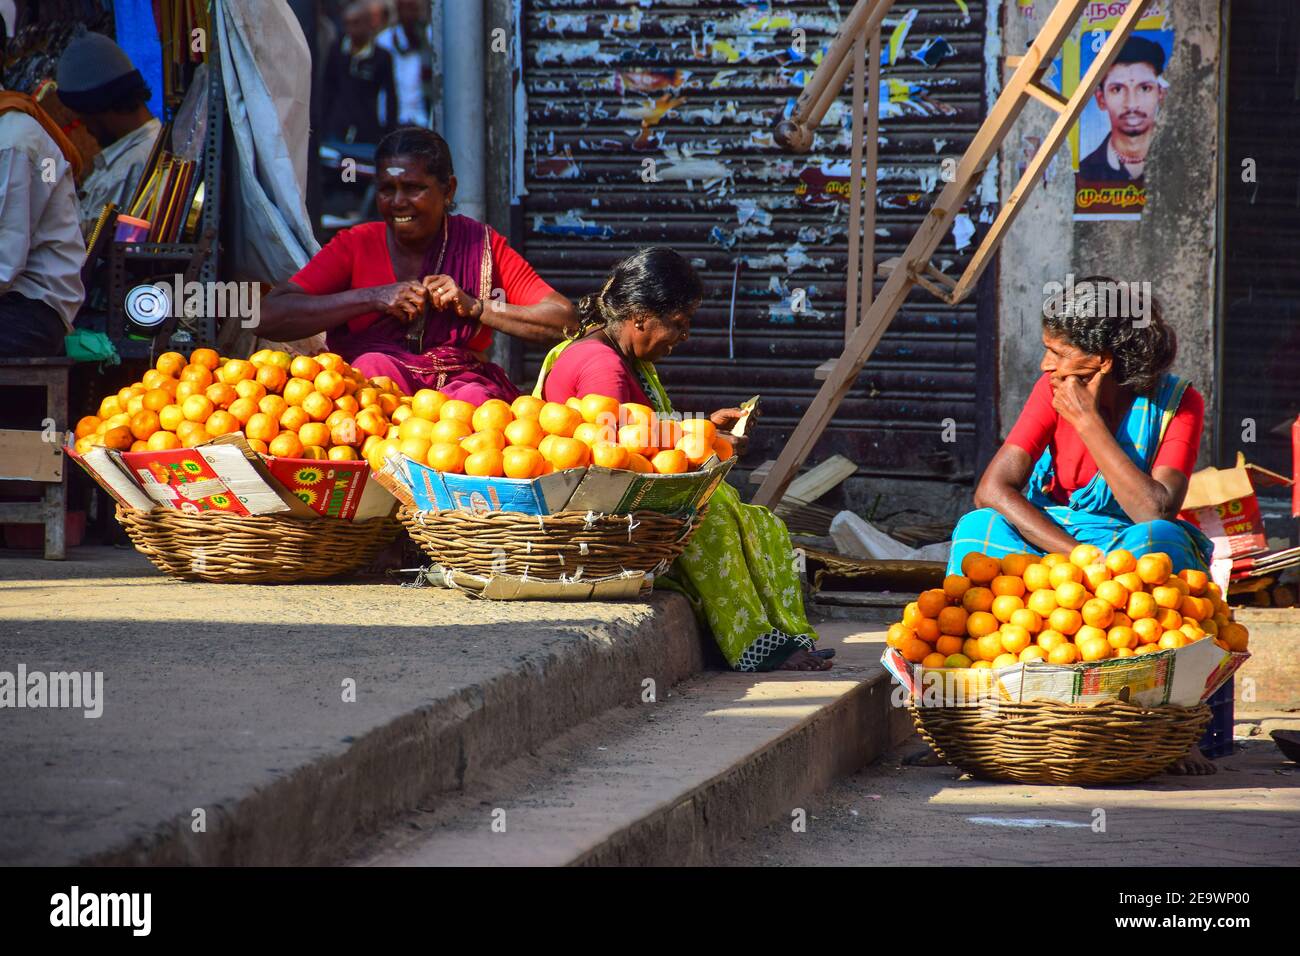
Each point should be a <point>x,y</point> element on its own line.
<point>739,569</point>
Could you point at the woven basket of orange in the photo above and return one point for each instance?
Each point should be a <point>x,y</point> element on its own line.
<point>1059,668</point>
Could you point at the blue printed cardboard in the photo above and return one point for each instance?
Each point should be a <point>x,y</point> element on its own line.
<point>616,491</point>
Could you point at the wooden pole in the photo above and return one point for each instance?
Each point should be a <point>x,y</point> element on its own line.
<point>855,196</point>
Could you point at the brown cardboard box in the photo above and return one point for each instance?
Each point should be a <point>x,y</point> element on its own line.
<point>1222,503</point>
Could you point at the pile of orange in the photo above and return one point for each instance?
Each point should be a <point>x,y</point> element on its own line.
<point>529,438</point>
<point>294,407</point>
<point>1063,609</point>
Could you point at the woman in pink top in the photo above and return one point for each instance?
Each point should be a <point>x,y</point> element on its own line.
<point>738,570</point>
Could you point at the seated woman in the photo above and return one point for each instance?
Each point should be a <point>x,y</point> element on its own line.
<point>417,296</point>
<point>738,570</point>
<point>1100,455</point>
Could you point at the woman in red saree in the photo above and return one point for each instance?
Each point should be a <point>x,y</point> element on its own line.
<point>417,296</point>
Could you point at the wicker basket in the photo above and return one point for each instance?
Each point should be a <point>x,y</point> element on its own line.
<point>226,548</point>
<point>1044,741</point>
<point>550,547</point>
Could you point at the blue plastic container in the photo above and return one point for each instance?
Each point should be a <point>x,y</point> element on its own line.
<point>1217,741</point>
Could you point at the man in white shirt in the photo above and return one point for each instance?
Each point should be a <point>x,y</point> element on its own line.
<point>97,81</point>
<point>41,249</point>
<point>410,41</point>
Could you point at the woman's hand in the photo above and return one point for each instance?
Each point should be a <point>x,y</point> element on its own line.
<point>402,300</point>
<point>725,418</point>
<point>443,292</point>
<point>1076,402</point>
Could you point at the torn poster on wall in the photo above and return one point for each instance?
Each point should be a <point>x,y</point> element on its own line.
<point>1110,145</point>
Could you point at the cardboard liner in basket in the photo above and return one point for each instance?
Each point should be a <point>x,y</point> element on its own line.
<point>1044,741</point>
<point>253,549</point>
<point>552,547</point>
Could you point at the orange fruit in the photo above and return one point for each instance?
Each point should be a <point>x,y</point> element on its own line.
<point>185,389</point>
<point>1173,639</point>
<point>1031,621</point>
<point>927,629</point>
<point>1113,593</point>
<point>1042,602</point>
<point>898,633</point>
<point>1098,613</point>
<point>191,433</point>
<point>1140,605</point>
<point>639,463</point>
<point>912,615</point>
<point>342,453</point>
<point>1167,597</point>
<point>574,402</point>
<point>947,643</point>
<point>1121,562</point>
<point>347,404</point>
<point>608,455</point>
<point>1014,639</point>
<point>1122,637</point>
<point>156,399</point>
<point>990,645</point>
<point>389,404</point>
<point>980,568</point>
<point>1154,568</point>
<point>1193,632</point>
<point>1005,584</point>
<point>1176,582</point>
<point>671,462</point>
<point>170,363</point>
<point>1070,594</point>
<point>486,464</point>
<point>332,361</point>
<point>194,373</point>
<point>1131,582</point>
<point>1066,573</point>
<point>329,384</point>
<point>1196,580</point>
<point>1195,609</point>
<point>1037,576</point>
<point>163,441</point>
<point>524,432</point>
<point>446,456</point>
<point>1066,620</point>
<point>304,366</point>
<point>87,425</point>
<point>700,426</point>
<point>197,408</point>
<point>589,433</point>
<point>109,407</point>
<point>492,415</point>
<point>250,389</point>
<point>1148,649</point>
<point>977,599</point>
<point>931,602</point>
<point>220,394</point>
<point>1049,639</point>
<point>243,409</point>
<point>980,623</point>
<point>1236,636</point>
<point>1005,605</point>
<point>1169,619</point>
<point>695,448</point>
<point>221,423</point>
<point>636,438</point>
<point>666,433</point>
<point>205,357</point>
<point>479,441</point>
<point>426,403</point>
<point>522,462</point>
<point>285,445</point>
<point>1063,654</point>
<point>314,452</point>
<point>297,389</point>
<point>138,445</point>
<point>1087,632</point>
<point>723,449</point>
<point>1095,574</point>
<point>456,410</point>
<point>915,650</point>
<point>557,419</point>
<point>1094,649</point>
<point>600,410</point>
<point>1148,630</point>
<point>526,406</point>
<point>370,396</point>
<point>262,427</point>
<point>631,413</point>
<point>371,422</point>
<point>152,379</point>
<point>345,432</point>
<point>971,648</point>
<point>1005,660</point>
<point>566,453</point>
<point>271,377</point>
<point>416,449</point>
<point>144,423</point>
<point>1084,555</point>
<point>1031,653</point>
<point>1013,565</point>
<point>318,406</point>
<point>952,621</point>
<point>238,370</point>
<point>955,585</point>
<point>293,418</point>
<point>1123,652</point>
<point>449,430</point>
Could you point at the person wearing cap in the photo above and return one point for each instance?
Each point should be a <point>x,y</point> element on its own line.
<point>98,82</point>
<point>41,249</point>
<point>1131,93</point>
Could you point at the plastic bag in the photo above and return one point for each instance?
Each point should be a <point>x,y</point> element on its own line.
<point>83,345</point>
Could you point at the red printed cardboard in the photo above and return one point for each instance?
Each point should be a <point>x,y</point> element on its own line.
<point>1222,503</point>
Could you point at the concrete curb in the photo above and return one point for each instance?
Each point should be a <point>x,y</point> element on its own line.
<point>415,760</point>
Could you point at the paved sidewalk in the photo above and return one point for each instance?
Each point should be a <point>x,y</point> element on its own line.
<point>230,699</point>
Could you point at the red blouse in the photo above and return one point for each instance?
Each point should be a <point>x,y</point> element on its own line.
<point>1039,426</point>
<point>357,258</point>
<point>591,367</point>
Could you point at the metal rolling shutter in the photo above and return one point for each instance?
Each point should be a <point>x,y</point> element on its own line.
<point>698,88</point>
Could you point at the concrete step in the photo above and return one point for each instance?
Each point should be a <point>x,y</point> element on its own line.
<point>669,782</point>
<point>231,700</point>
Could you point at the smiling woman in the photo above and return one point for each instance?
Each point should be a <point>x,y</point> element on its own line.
<point>418,295</point>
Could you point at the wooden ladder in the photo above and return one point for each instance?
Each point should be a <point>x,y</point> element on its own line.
<point>914,267</point>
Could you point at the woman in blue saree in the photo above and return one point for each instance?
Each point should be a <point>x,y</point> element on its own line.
<point>1101,453</point>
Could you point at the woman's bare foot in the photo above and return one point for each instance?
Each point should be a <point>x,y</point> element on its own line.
<point>1194,764</point>
<point>804,660</point>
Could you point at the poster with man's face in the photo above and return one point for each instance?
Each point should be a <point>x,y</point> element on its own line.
<point>1112,143</point>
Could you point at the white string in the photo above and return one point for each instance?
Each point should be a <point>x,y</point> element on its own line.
<point>589,521</point>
